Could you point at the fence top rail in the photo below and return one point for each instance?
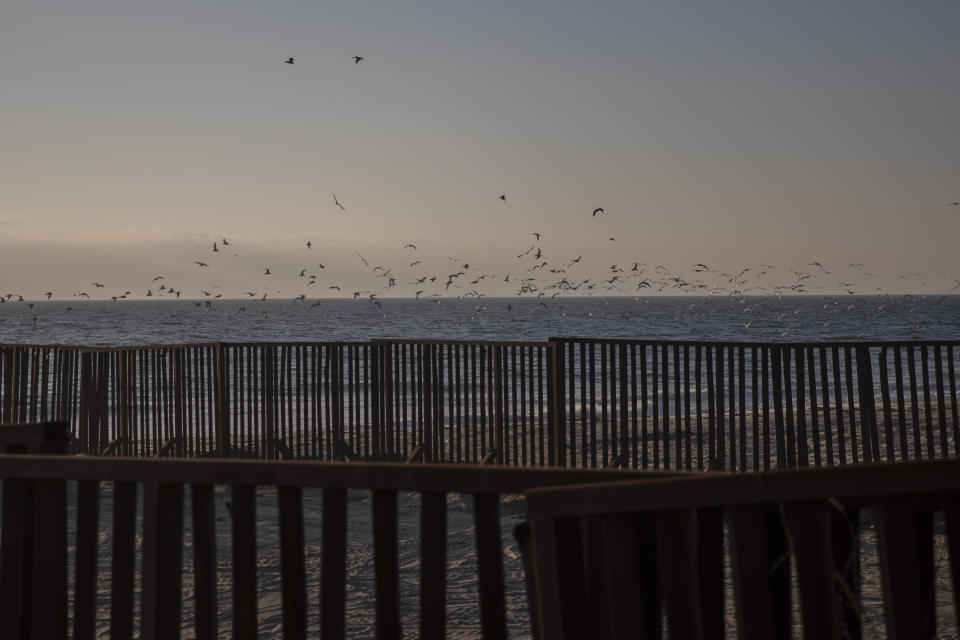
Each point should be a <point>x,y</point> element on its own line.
<point>849,483</point>
<point>225,345</point>
<point>733,343</point>
<point>549,343</point>
<point>479,343</point>
<point>446,478</point>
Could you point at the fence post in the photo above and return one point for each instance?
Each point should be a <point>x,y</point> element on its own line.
<point>6,401</point>
<point>221,406</point>
<point>269,401</point>
<point>386,349</point>
<point>556,403</point>
<point>868,413</point>
<point>426,388</point>
<point>498,402</point>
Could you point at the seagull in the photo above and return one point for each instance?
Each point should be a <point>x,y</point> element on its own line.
<point>224,242</point>
<point>215,247</point>
<point>954,204</point>
<point>337,202</point>
<point>266,271</point>
<point>97,285</point>
<point>309,244</point>
<point>200,264</point>
<point>537,236</point>
<point>596,211</point>
<point>357,59</point>
<point>289,61</point>
<point>362,259</point>
<point>410,246</point>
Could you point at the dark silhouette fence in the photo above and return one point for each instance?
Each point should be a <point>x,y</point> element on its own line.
<point>44,498</point>
<point>567,401</point>
<point>615,560</point>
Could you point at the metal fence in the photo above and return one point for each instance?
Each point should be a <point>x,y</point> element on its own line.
<point>567,401</point>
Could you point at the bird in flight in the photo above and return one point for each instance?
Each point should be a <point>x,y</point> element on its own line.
<point>410,246</point>
<point>337,202</point>
<point>954,204</point>
<point>537,236</point>
<point>98,285</point>
<point>215,247</point>
<point>357,59</point>
<point>309,244</point>
<point>503,197</point>
<point>266,271</point>
<point>596,211</point>
<point>289,61</point>
<point>200,264</point>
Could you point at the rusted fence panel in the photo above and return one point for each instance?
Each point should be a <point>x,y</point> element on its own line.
<point>568,401</point>
<point>754,406</point>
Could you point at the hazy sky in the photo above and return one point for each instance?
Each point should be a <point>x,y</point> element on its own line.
<point>134,134</point>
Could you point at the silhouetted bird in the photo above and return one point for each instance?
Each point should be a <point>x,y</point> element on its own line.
<point>200,264</point>
<point>309,244</point>
<point>266,271</point>
<point>337,202</point>
<point>596,211</point>
<point>503,197</point>
<point>289,61</point>
<point>357,59</point>
<point>48,294</point>
<point>954,204</point>
<point>215,247</point>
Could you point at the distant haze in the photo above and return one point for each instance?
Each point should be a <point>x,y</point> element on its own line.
<point>134,135</point>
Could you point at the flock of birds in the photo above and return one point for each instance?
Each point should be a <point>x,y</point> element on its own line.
<point>533,274</point>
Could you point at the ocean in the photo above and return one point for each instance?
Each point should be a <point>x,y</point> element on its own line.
<point>767,318</point>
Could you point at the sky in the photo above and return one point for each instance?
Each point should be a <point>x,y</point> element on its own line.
<point>134,135</point>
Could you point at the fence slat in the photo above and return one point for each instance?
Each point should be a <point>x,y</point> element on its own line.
<point>292,561</point>
<point>48,598</point>
<point>87,539</point>
<point>433,568</point>
<point>244,535</point>
<point>204,560</point>
<point>333,568</point>
<point>386,564</point>
<point>490,565</point>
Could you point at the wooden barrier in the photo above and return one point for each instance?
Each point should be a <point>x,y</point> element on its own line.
<point>609,558</point>
<point>754,406</point>
<point>565,402</point>
<point>38,607</point>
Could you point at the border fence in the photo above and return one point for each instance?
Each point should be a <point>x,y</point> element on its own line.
<point>577,402</point>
